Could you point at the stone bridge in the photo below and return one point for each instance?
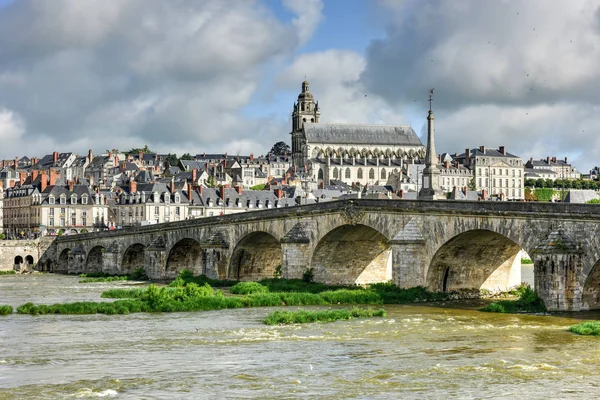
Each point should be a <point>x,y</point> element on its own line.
<point>442,245</point>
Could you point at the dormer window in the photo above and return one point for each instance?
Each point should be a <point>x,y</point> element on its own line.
<point>167,197</point>
<point>74,199</point>
<point>177,199</point>
<point>63,199</point>
<point>84,199</point>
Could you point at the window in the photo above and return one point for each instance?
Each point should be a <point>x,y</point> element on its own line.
<point>51,221</point>
<point>156,210</point>
<point>73,199</point>
<point>63,199</point>
<point>51,200</point>
<point>62,222</point>
<point>371,173</point>
<point>177,198</point>
<point>347,175</point>
<point>177,211</point>
<point>73,221</point>
<point>335,173</point>
<point>84,200</point>
<point>383,175</point>
<point>63,211</point>
<point>52,212</point>
<point>359,174</point>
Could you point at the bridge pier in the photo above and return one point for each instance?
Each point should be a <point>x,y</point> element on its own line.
<point>558,263</point>
<point>408,264</point>
<point>155,261</point>
<point>212,258</point>
<point>296,252</point>
<point>111,260</point>
<point>76,261</point>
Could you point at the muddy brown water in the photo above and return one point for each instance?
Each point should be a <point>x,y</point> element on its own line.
<point>416,352</point>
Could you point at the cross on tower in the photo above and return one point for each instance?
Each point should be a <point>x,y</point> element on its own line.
<point>430,98</point>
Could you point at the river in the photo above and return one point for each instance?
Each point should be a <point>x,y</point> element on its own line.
<point>415,352</point>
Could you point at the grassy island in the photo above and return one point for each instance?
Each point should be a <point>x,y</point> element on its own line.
<point>591,328</point>
<point>6,310</point>
<point>303,316</point>
<point>528,302</point>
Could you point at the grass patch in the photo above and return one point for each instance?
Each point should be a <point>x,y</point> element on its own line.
<point>528,302</point>
<point>9,272</point>
<point>299,285</point>
<point>303,316</point>
<point>185,277</point>
<point>586,328</point>
<point>138,275</point>
<point>5,310</point>
<point>248,288</point>
<point>105,279</point>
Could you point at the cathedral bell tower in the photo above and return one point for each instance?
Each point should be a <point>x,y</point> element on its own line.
<point>305,110</point>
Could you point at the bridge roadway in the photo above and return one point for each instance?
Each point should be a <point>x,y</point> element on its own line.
<point>442,245</point>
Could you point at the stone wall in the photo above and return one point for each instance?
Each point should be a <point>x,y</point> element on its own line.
<point>22,255</point>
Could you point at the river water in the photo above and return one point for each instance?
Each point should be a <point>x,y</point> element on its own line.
<point>416,352</point>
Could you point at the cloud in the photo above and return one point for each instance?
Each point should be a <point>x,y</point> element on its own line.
<point>503,70</point>
<point>105,74</point>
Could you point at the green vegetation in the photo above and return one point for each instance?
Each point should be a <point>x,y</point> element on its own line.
<point>5,310</point>
<point>257,187</point>
<point>528,302</point>
<point>9,272</point>
<point>302,316</point>
<point>526,261</point>
<point>587,328</point>
<point>593,201</point>
<point>248,288</point>
<point>308,275</point>
<point>2,236</point>
<point>185,277</point>
<point>138,275</point>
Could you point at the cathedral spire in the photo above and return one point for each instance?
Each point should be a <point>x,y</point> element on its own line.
<point>431,174</point>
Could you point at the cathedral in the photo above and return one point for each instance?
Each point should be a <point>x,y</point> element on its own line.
<point>352,153</point>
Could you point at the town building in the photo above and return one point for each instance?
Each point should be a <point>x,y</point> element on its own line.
<point>562,168</point>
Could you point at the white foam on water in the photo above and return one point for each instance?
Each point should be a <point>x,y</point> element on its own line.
<point>91,393</point>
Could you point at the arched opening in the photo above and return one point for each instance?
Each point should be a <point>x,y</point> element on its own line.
<point>477,259</point>
<point>63,260</point>
<point>255,257</point>
<point>73,231</point>
<point>352,254</point>
<point>18,260</point>
<point>591,289</point>
<point>185,254</point>
<point>133,258</point>
<point>93,262</point>
<point>29,260</point>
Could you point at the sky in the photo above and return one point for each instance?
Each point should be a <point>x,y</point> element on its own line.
<point>222,75</point>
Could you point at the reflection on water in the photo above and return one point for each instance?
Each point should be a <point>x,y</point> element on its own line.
<point>420,352</point>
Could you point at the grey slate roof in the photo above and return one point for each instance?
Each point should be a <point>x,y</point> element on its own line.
<point>361,134</point>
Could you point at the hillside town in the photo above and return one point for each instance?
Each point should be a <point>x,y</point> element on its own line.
<point>65,193</point>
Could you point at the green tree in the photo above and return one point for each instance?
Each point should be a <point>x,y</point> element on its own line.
<point>472,184</point>
<point>187,156</point>
<point>539,183</point>
<point>144,150</point>
<point>172,159</point>
<point>280,149</point>
<point>211,182</point>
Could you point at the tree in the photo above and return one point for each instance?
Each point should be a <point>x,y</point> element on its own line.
<point>144,150</point>
<point>280,149</point>
<point>211,182</point>
<point>472,184</point>
<point>172,159</point>
<point>187,156</point>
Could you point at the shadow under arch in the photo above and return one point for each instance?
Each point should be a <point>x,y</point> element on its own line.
<point>590,297</point>
<point>352,254</point>
<point>185,254</point>
<point>133,258</point>
<point>256,256</point>
<point>93,261</point>
<point>63,261</point>
<point>475,259</point>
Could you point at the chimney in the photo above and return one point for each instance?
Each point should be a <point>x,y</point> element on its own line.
<point>116,160</point>
<point>34,174</point>
<point>251,157</point>
<point>447,164</point>
<point>12,183</point>
<point>55,157</point>
<point>467,156</point>
<point>156,157</point>
<point>502,150</point>
<point>279,193</point>
<point>238,189</point>
<point>501,196</point>
<point>132,186</point>
<point>16,163</point>
<point>456,164</point>
<point>454,193</point>
<point>109,154</point>
<point>400,193</point>
<point>172,186</point>
<point>225,154</point>
<point>34,160</point>
<point>482,149</point>
<point>554,159</point>
<point>466,190</point>
<point>222,193</point>
<point>53,176</point>
<point>22,177</point>
<point>484,195</point>
<point>195,176</point>
<point>141,156</point>
<point>123,167</point>
<point>90,155</point>
<point>70,186</point>
<point>189,191</point>
<point>565,160</point>
<point>43,181</point>
<point>531,160</point>
<point>200,190</point>
<point>548,160</point>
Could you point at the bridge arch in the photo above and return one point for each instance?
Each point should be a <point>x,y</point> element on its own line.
<point>352,254</point>
<point>63,260</point>
<point>133,258</point>
<point>184,254</point>
<point>475,259</point>
<point>591,289</point>
<point>93,261</point>
<point>29,260</point>
<point>256,256</point>
<point>18,260</point>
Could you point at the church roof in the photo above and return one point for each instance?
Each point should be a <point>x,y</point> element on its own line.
<point>361,134</point>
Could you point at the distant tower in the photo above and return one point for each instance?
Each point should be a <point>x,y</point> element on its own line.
<point>431,174</point>
<point>305,110</point>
